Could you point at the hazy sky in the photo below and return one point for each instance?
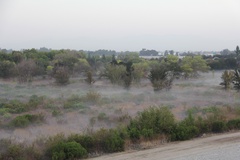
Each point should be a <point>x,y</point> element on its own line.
<point>120,24</point>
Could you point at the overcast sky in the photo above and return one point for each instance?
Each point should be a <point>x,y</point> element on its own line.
<point>120,25</point>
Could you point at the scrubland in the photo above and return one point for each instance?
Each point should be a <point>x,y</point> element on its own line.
<point>41,113</point>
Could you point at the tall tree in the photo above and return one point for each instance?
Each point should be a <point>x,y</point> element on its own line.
<point>227,77</point>
<point>237,51</point>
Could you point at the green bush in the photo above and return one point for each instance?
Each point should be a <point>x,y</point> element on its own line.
<point>15,106</point>
<point>27,119</point>
<point>35,100</point>
<point>182,131</point>
<point>92,97</point>
<point>17,151</point>
<point>154,120</point>
<point>108,141</point>
<point>147,133</point>
<point>203,125</point>
<point>85,140</point>
<point>218,126</point>
<point>62,75</point>
<point>134,133</point>
<point>233,124</point>
<point>74,102</point>
<point>68,150</point>
<point>102,116</point>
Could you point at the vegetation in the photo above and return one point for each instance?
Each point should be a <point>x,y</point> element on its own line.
<point>126,70</point>
<point>27,119</point>
<point>227,78</point>
<point>147,125</point>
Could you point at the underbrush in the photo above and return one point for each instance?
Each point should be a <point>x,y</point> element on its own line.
<point>155,124</point>
<point>26,120</point>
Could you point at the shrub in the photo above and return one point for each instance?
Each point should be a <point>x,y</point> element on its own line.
<point>74,102</point>
<point>62,75</point>
<point>233,124</point>
<point>161,78</point>
<point>147,133</point>
<point>17,151</point>
<point>134,133</point>
<point>202,125</point>
<point>68,150</point>
<point>102,116</point>
<point>108,141</point>
<point>92,96</point>
<point>27,119</point>
<point>85,140</point>
<point>153,120</point>
<point>218,126</point>
<point>113,142</point>
<point>56,113</point>
<point>15,106</point>
<point>182,131</point>
<point>35,100</point>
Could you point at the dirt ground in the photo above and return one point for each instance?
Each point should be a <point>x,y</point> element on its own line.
<point>211,147</point>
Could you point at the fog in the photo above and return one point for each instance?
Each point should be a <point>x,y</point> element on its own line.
<point>116,104</point>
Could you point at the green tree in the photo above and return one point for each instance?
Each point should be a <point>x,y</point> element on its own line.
<point>237,51</point>
<point>7,69</point>
<point>62,75</point>
<point>227,77</point>
<point>161,77</point>
<point>26,69</point>
<point>236,80</point>
<point>191,65</point>
<point>114,73</point>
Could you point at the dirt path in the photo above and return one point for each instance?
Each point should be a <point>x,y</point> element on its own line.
<point>220,147</point>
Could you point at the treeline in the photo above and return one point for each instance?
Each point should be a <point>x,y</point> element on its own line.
<point>147,126</point>
<point>124,69</point>
<point>227,60</point>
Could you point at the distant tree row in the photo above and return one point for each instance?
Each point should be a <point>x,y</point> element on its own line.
<point>227,60</point>
<point>124,69</point>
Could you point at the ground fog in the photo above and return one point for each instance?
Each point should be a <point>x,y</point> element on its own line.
<point>116,105</point>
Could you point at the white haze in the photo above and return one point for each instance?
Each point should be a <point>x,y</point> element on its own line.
<point>116,102</point>
<point>120,24</point>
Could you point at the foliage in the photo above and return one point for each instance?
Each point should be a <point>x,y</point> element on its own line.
<point>62,76</point>
<point>233,124</point>
<point>140,71</point>
<point>26,69</point>
<point>191,65</point>
<point>161,78</point>
<point>108,141</point>
<point>92,96</point>
<point>27,119</point>
<point>236,80</point>
<point>15,106</point>
<point>7,69</point>
<point>89,78</point>
<point>114,73</point>
<point>73,102</point>
<point>17,151</point>
<point>227,77</point>
<point>218,126</point>
<point>86,141</point>
<point>67,150</point>
<point>184,132</point>
<point>155,120</point>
